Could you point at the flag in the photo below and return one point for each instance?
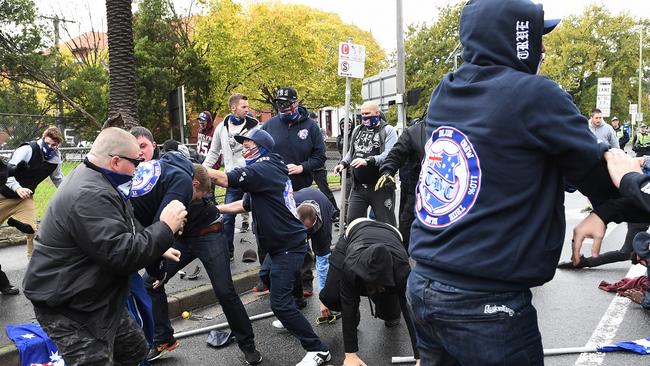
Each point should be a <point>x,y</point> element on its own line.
<point>641,346</point>
<point>35,347</point>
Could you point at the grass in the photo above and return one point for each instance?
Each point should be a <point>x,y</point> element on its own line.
<point>46,189</point>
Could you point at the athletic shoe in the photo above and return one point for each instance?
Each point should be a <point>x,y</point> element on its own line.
<point>260,288</point>
<point>307,293</point>
<point>277,324</point>
<point>253,356</point>
<point>244,227</point>
<point>315,358</point>
<point>160,349</point>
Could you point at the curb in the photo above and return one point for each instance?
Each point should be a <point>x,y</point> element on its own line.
<point>190,299</point>
<point>12,243</point>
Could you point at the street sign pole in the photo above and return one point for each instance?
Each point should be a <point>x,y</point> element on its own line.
<point>346,126</point>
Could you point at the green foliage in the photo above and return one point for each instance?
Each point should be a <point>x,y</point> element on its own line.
<point>262,47</point>
<point>592,45</point>
<point>427,49</point>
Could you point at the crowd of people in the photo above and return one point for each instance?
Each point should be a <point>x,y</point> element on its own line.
<point>498,142</point>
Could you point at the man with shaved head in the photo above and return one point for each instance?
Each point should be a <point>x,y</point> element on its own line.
<point>87,246</point>
<point>370,143</point>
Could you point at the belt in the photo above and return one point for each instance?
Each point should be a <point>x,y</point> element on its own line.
<point>217,227</point>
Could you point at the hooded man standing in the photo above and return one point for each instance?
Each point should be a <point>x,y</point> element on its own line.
<point>502,140</point>
<point>279,232</point>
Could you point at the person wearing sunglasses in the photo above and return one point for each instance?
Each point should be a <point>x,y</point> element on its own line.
<point>369,145</point>
<point>16,195</point>
<point>86,248</point>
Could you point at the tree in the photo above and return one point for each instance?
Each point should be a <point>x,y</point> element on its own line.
<point>592,45</point>
<point>265,46</point>
<point>122,98</point>
<point>427,49</point>
<point>21,56</point>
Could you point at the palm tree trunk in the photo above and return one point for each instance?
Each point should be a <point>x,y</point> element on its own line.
<point>121,62</point>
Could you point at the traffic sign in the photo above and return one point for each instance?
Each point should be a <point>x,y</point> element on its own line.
<point>604,95</point>
<point>352,58</point>
<point>634,108</point>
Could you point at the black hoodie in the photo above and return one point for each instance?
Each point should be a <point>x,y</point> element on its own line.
<point>490,200</point>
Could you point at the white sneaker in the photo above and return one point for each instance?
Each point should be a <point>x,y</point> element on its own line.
<point>315,358</point>
<point>277,324</point>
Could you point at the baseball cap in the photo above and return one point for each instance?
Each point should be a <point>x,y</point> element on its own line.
<point>249,256</point>
<point>205,116</point>
<point>550,24</point>
<point>286,94</point>
<point>260,137</point>
<point>170,145</point>
<point>614,118</point>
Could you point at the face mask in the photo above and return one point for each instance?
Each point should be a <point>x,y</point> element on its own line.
<point>236,121</point>
<point>370,121</point>
<point>252,154</point>
<point>121,182</point>
<point>48,152</point>
<point>289,113</point>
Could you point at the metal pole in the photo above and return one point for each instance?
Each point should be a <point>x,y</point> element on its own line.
<point>401,104</point>
<point>181,103</point>
<point>547,352</point>
<point>640,110</point>
<point>346,126</point>
<point>218,326</point>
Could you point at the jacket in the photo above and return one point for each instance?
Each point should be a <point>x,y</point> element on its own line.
<point>373,144</point>
<point>359,259</point>
<point>299,142</point>
<point>407,152</point>
<point>38,169</point>
<point>321,239</point>
<point>86,247</point>
<point>489,199</point>
<point>270,200</point>
<point>223,144</point>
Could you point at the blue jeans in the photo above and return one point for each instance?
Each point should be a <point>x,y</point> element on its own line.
<point>212,252</point>
<point>462,327</point>
<point>279,273</point>
<point>232,195</point>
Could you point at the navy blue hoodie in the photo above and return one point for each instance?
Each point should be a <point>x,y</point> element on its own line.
<point>270,200</point>
<point>490,200</point>
<point>158,182</point>
<point>299,142</point>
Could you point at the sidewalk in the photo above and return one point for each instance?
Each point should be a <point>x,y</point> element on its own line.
<point>182,294</point>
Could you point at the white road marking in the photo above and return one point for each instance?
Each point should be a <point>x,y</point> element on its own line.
<point>609,323</point>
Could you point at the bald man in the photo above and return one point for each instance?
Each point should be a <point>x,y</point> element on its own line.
<point>370,143</point>
<point>87,246</point>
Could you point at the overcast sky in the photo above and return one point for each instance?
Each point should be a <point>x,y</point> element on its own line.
<point>377,16</point>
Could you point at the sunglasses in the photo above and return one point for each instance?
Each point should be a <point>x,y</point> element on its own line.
<point>284,104</point>
<point>135,162</point>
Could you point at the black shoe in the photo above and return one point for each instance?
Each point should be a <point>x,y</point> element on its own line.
<point>391,323</point>
<point>24,228</point>
<point>569,265</point>
<point>300,303</point>
<point>10,290</point>
<point>253,356</point>
<point>160,349</point>
<point>244,227</point>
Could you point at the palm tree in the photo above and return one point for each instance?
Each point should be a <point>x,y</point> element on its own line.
<point>121,64</point>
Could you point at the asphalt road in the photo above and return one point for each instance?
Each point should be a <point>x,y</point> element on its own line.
<point>572,311</point>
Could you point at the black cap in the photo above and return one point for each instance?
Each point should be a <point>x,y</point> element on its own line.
<point>286,94</point>
<point>249,256</point>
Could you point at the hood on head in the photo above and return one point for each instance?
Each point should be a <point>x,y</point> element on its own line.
<point>179,161</point>
<point>503,32</point>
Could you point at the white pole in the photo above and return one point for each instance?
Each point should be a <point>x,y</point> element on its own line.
<point>401,103</point>
<point>547,352</point>
<point>346,124</point>
<point>219,326</point>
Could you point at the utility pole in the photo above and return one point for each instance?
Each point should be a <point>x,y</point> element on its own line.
<point>401,105</point>
<point>57,75</point>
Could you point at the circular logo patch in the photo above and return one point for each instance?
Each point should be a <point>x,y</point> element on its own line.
<point>450,179</point>
<point>145,178</point>
<point>303,134</point>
